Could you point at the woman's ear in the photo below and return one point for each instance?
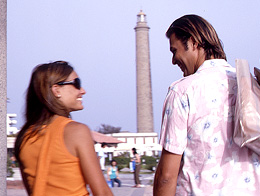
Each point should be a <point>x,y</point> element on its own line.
<point>56,90</point>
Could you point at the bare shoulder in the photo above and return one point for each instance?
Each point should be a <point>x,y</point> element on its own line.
<point>76,130</point>
<point>78,138</point>
<point>76,126</point>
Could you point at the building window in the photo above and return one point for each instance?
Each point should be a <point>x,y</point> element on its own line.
<point>149,140</point>
<point>131,140</point>
<point>139,141</point>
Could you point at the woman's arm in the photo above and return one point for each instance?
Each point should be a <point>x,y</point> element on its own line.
<point>138,160</point>
<point>117,176</point>
<point>108,172</point>
<point>79,142</point>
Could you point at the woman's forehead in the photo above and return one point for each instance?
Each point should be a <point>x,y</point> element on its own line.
<point>72,76</point>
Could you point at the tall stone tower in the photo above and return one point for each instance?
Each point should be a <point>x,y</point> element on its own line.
<point>143,77</point>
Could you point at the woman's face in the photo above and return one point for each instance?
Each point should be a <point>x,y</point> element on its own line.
<point>70,96</point>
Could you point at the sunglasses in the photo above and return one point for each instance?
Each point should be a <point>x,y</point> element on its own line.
<point>76,83</point>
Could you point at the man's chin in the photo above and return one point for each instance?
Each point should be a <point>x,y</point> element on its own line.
<point>186,73</point>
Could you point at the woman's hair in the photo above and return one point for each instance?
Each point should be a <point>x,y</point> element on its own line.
<point>134,151</point>
<point>113,160</point>
<point>201,31</point>
<point>41,104</point>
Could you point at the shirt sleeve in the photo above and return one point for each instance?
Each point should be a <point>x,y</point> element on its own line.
<point>174,122</point>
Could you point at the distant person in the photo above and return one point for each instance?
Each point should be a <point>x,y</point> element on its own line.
<point>13,161</point>
<point>137,163</point>
<point>56,154</point>
<point>199,156</point>
<point>112,173</point>
<point>102,156</point>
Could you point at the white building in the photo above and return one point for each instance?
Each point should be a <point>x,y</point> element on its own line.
<point>145,143</point>
<point>10,122</point>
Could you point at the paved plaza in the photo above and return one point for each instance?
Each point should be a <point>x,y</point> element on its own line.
<point>125,189</point>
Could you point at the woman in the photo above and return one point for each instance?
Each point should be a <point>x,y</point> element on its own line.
<point>112,174</point>
<point>56,154</point>
<point>137,168</point>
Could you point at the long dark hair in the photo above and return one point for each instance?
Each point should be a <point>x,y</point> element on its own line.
<point>134,151</point>
<point>201,31</point>
<point>41,104</point>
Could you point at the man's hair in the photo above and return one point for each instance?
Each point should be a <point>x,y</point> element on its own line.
<point>103,144</point>
<point>203,33</point>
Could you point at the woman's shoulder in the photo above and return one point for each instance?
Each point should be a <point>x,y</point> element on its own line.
<point>76,129</point>
<point>76,125</point>
<point>78,137</point>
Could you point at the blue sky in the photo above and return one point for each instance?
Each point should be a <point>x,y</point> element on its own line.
<point>98,39</point>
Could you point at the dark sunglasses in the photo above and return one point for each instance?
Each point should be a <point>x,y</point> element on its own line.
<point>76,83</point>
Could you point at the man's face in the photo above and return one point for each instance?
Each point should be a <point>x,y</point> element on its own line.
<point>185,58</point>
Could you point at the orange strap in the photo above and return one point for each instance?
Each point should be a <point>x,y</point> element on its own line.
<point>45,158</point>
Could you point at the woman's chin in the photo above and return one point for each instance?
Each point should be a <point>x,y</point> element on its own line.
<point>77,109</point>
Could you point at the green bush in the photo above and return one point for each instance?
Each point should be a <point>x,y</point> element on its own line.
<point>150,163</point>
<point>9,169</point>
<point>122,161</point>
<point>121,167</point>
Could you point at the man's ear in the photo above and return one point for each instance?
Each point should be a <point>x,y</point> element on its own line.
<point>56,90</point>
<point>194,43</point>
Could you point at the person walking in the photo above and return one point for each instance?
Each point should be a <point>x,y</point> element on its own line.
<point>56,154</point>
<point>112,173</point>
<point>199,156</point>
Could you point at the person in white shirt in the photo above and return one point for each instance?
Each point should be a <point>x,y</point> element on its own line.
<point>102,156</point>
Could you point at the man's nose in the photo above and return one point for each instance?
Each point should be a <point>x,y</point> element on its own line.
<point>174,62</point>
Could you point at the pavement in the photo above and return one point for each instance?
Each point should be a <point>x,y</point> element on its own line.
<point>15,186</point>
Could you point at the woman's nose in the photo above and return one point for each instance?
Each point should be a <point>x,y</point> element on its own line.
<point>82,91</point>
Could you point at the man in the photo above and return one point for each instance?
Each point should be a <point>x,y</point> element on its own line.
<point>199,156</point>
<point>102,156</point>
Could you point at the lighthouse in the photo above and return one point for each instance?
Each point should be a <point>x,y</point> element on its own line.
<point>145,122</point>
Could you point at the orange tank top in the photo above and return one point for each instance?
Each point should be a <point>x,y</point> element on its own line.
<point>49,167</point>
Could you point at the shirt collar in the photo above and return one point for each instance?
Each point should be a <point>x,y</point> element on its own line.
<point>207,64</point>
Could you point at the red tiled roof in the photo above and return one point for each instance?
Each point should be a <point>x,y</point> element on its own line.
<point>99,138</point>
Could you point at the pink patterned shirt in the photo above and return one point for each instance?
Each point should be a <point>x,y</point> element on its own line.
<point>198,123</point>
